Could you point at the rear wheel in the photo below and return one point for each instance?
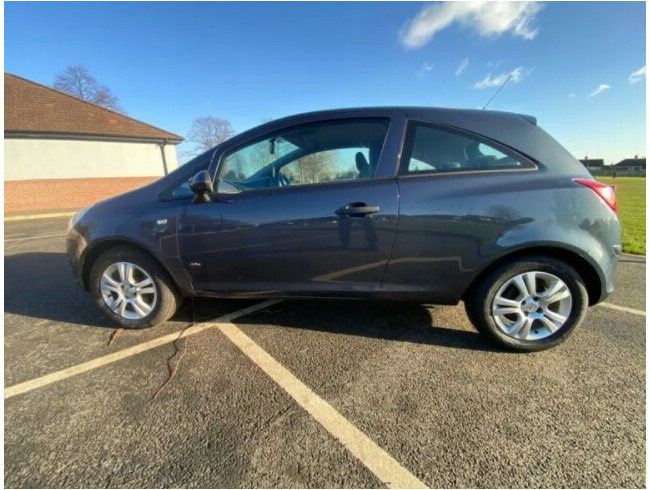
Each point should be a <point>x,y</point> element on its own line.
<point>529,304</point>
<point>132,289</point>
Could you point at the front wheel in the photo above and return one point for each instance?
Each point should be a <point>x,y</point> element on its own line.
<point>529,304</point>
<point>132,289</point>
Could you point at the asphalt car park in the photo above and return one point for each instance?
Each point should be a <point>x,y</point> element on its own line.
<point>425,391</point>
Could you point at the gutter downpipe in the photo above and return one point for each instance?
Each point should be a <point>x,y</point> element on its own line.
<point>162,154</point>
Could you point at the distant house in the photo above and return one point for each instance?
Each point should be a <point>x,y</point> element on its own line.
<point>63,152</point>
<point>631,165</point>
<point>593,162</point>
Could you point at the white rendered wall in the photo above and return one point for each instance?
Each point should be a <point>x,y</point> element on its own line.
<point>29,159</point>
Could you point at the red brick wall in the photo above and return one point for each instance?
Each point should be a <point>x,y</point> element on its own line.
<point>47,194</point>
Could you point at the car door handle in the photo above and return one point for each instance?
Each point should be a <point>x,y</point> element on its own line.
<point>357,209</point>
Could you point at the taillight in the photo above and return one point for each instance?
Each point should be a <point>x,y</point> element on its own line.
<point>605,192</point>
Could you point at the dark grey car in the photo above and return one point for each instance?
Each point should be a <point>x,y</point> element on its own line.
<point>416,204</point>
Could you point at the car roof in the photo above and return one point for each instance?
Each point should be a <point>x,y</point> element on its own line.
<point>433,114</point>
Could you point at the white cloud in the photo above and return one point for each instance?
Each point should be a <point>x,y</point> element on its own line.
<point>571,96</point>
<point>425,68</point>
<point>600,89</point>
<point>462,66</point>
<point>486,18</point>
<point>516,75</point>
<point>637,76</point>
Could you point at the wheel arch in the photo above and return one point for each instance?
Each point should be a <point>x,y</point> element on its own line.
<point>92,254</point>
<point>592,280</point>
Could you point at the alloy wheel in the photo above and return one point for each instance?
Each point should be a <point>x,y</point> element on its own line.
<point>128,290</point>
<point>532,306</point>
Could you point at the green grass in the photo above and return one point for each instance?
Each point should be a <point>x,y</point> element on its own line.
<point>630,195</point>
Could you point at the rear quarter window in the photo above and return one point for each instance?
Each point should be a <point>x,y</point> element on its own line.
<point>436,149</point>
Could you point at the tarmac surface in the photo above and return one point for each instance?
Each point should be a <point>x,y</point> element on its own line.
<point>417,380</point>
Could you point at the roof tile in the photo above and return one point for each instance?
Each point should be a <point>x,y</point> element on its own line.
<point>34,108</point>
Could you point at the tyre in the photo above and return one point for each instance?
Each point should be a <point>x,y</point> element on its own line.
<point>529,304</point>
<point>132,289</point>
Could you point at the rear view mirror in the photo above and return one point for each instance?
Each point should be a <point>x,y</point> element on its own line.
<point>202,185</point>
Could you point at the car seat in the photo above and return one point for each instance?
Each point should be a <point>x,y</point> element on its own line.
<point>362,166</point>
<point>476,159</point>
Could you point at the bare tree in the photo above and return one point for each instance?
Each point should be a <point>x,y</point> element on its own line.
<point>208,131</point>
<point>310,169</point>
<point>76,80</point>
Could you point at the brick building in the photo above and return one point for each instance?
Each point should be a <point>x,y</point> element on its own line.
<point>61,152</point>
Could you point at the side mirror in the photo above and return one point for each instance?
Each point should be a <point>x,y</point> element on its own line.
<point>202,185</point>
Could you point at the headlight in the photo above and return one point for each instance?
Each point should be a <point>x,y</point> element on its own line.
<point>77,216</point>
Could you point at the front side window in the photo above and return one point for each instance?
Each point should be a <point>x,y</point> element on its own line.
<point>320,153</point>
<point>431,149</point>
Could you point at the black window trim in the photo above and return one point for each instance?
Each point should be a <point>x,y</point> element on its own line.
<point>407,149</point>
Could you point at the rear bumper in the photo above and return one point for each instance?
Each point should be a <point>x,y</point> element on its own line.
<point>605,259</point>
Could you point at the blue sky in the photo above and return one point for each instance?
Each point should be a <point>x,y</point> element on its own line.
<point>172,62</point>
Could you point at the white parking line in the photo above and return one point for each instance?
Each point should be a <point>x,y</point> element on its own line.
<point>383,465</point>
<point>20,239</point>
<point>623,308</point>
<point>48,379</point>
<point>379,462</point>
<point>39,216</point>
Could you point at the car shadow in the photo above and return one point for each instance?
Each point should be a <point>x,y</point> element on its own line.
<point>396,321</point>
<point>41,285</point>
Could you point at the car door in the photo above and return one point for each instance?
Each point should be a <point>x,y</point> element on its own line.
<point>305,210</point>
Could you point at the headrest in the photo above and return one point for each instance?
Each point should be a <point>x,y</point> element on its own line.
<point>472,150</point>
<point>362,163</point>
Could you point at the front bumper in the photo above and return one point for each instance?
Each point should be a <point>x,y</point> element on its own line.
<point>75,245</point>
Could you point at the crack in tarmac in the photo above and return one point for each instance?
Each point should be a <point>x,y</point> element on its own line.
<point>172,370</point>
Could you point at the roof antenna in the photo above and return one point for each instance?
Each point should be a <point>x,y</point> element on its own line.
<point>498,90</point>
